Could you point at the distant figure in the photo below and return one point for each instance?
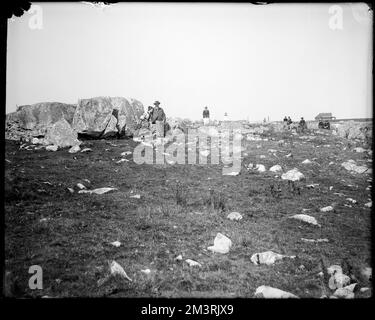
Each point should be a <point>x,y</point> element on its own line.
<point>302,124</point>
<point>225,116</point>
<point>285,123</point>
<point>158,119</point>
<point>289,121</point>
<point>206,117</point>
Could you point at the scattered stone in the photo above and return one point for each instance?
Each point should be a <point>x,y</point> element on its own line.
<point>136,196</point>
<point>364,289</point>
<point>326,209</point>
<point>338,280</point>
<point>269,292</point>
<point>52,148</point>
<point>86,150</point>
<point>351,166</point>
<point>98,191</point>
<point>260,168</point>
<point>222,244</point>
<point>116,243</point>
<point>306,218</point>
<point>368,204</point>
<point>81,186</point>
<point>179,257</point>
<point>234,216</point>
<point>146,271</point>
<point>313,240</point>
<point>359,149</point>
<point>293,175</point>
<point>346,292</point>
<point>231,173</point>
<point>116,269</point>
<point>307,161</point>
<point>267,257</point>
<point>122,160</point>
<point>193,263</point>
<point>312,186</point>
<point>288,155</point>
<point>276,168</point>
<point>75,149</point>
<point>351,200</point>
<point>71,190</point>
<point>35,141</point>
<point>204,153</point>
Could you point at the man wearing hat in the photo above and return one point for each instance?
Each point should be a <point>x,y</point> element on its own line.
<point>158,119</point>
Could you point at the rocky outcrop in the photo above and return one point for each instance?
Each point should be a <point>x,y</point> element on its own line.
<point>354,130</point>
<point>61,134</point>
<point>33,120</point>
<point>103,117</point>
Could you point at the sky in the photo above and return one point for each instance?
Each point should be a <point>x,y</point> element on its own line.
<point>251,61</point>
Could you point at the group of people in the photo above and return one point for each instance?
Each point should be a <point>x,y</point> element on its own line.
<point>288,121</point>
<point>156,119</point>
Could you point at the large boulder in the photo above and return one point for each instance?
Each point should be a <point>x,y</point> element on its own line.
<point>33,120</point>
<point>107,116</point>
<point>61,134</point>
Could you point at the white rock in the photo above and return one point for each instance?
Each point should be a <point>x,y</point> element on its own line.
<point>179,257</point>
<point>272,150</point>
<point>52,148</point>
<point>234,216</point>
<point>346,292</point>
<point>293,175</point>
<point>35,141</point>
<point>313,240</point>
<point>116,269</point>
<point>86,150</point>
<point>326,209</point>
<point>269,292</point>
<point>136,196</point>
<point>262,156</point>
<point>359,149</point>
<point>126,153</point>
<point>312,186</point>
<point>338,280</point>
<point>122,160</point>
<point>116,243</point>
<point>260,168</point>
<point>351,200</point>
<point>267,257</point>
<point>222,244</point>
<point>146,271</point>
<point>81,186</point>
<point>276,168</point>
<point>193,263</point>
<point>365,289</point>
<point>98,190</point>
<point>288,155</point>
<point>368,204</point>
<point>351,166</point>
<point>307,161</point>
<point>71,190</point>
<point>75,149</point>
<point>232,173</point>
<point>306,218</point>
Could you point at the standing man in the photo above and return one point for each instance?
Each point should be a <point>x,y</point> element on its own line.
<point>206,117</point>
<point>158,119</point>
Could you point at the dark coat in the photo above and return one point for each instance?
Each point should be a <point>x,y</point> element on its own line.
<point>158,115</point>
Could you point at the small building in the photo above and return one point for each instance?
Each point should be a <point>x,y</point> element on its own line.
<point>324,116</point>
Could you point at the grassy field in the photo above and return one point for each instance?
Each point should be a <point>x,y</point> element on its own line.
<point>69,235</point>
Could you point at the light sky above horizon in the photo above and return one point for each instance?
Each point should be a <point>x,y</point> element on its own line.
<point>251,61</point>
